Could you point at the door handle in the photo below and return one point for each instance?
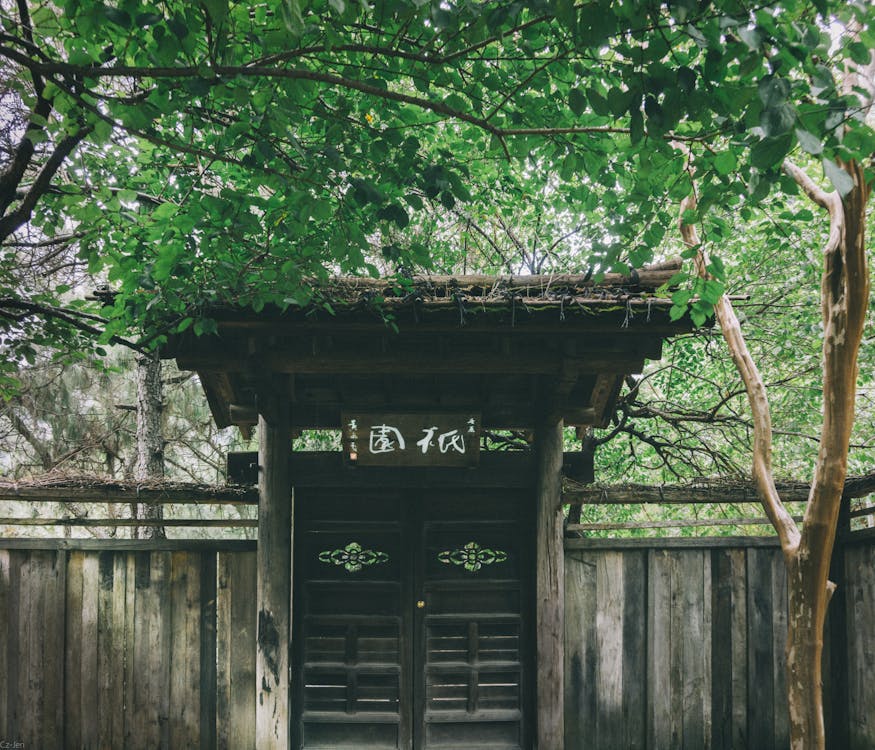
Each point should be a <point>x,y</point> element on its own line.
<point>420,604</point>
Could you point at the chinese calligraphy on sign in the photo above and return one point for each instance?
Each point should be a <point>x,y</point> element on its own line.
<point>412,439</point>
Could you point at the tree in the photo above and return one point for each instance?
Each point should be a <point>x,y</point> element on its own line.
<point>220,153</point>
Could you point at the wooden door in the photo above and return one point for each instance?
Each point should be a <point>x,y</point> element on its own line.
<point>410,627</point>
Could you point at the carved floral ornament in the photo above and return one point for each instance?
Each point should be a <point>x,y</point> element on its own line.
<point>472,556</point>
<point>353,557</point>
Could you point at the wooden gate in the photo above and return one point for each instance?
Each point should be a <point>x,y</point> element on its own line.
<point>409,620</point>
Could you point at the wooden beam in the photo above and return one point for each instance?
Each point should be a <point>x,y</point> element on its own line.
<point>723,491</point>
<point>130,545</point>
<point>604,393</point>
<point>127,492</point>
<point>549,588</point>
<point>362,363</point>
<point>274,565</point>
<point>107,522</point>
<point>684,542</point>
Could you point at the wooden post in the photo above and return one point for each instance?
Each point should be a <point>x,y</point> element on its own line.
<point>274,573</point>
<point>550,588</point>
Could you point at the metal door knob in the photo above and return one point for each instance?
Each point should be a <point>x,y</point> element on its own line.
<point>420,604</point>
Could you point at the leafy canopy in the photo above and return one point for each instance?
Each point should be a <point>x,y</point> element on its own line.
<point>229,151</point>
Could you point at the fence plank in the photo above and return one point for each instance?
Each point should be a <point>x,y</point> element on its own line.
<point>779,644</point>
<point>185,649</point>
<point>39,705</point>
<point>860,602</point>
<point>81,665</point>
<point>149,676</point>
<point>635,650</point>
<point>235,646</point>
<point>580,649</point>
<point>207,683</point>
<point>659,693</point>
<point>7,638</point>
<point>111,683</point>
<point>693,647</point>
<point>760,660</point>
<point>609,649</point>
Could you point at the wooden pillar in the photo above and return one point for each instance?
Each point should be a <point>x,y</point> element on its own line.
<point>274,573</point>
<point>550,589</point>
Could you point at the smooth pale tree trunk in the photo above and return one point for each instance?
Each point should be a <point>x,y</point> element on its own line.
<point>150,442</point>
<point>807,553</point>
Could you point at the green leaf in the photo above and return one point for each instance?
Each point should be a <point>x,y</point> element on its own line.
<point>676,312</point>
<point>217,10</point>
<point>577,102</point>
<point>777,120</point>
<point>636,126</point>
<point>773,91</point>
<point>292,16</point>
<point>770,151</point>
<point>118,17</point>
<point>716,268</point>
<point>809,142</point>
<point>725,162</point>
<point>860,53</point>
<point>841,180</point>
<point>598,102</point>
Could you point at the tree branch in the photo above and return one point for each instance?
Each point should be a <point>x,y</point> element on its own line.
<point>785,526</point>
<point>21,215</point>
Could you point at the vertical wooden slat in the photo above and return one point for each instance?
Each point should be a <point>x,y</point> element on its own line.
<point>40,700</point>
<point>779,644</point>
<point>7,637</point>
<point>721,654</point>
<point>185,650</point>
<point>728,649</point>
<point>739,675</point>
<point>149,675</point>
<point>235,647</point>
<point>111,609</point>
<point>659,650</point>
<point>835,643</point>
<point>609,649</point>
<point>274,572</point>
<point>549,583</point>
<point>634,651</point>
<point>73,666</point>
<point>860,603</point>
<point>580,654</point>
<point>81,695</point>
<point>760,659</point>
<point>694,650</point>
<point>207,678</point>
<point>677,641</point>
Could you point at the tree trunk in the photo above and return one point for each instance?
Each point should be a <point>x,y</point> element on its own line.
<point>150,441</point>
<point>806,616</point>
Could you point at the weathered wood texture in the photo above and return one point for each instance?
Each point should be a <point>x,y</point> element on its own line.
<point>674,647</point>
<point>666,647</point>
<point>549,583</point>
<point>127,649</point>
<point>860,613</point>
<point>274,576</point>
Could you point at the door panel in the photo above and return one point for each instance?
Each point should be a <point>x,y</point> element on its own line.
<point>470,636</point>
<point>373,669</point>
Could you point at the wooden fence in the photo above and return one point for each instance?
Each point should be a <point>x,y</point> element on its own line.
<point>146,644</point>
<point>681,645</point>
<point>134,647</point>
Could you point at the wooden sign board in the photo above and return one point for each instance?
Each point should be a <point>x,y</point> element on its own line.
<point>371,439</point>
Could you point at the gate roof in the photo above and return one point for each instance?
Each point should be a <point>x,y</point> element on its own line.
<point>516,349</point>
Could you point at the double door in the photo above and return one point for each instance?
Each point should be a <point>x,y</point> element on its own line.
<point>411,626</point>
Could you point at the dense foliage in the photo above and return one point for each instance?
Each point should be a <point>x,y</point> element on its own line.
<point>194,153</point>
